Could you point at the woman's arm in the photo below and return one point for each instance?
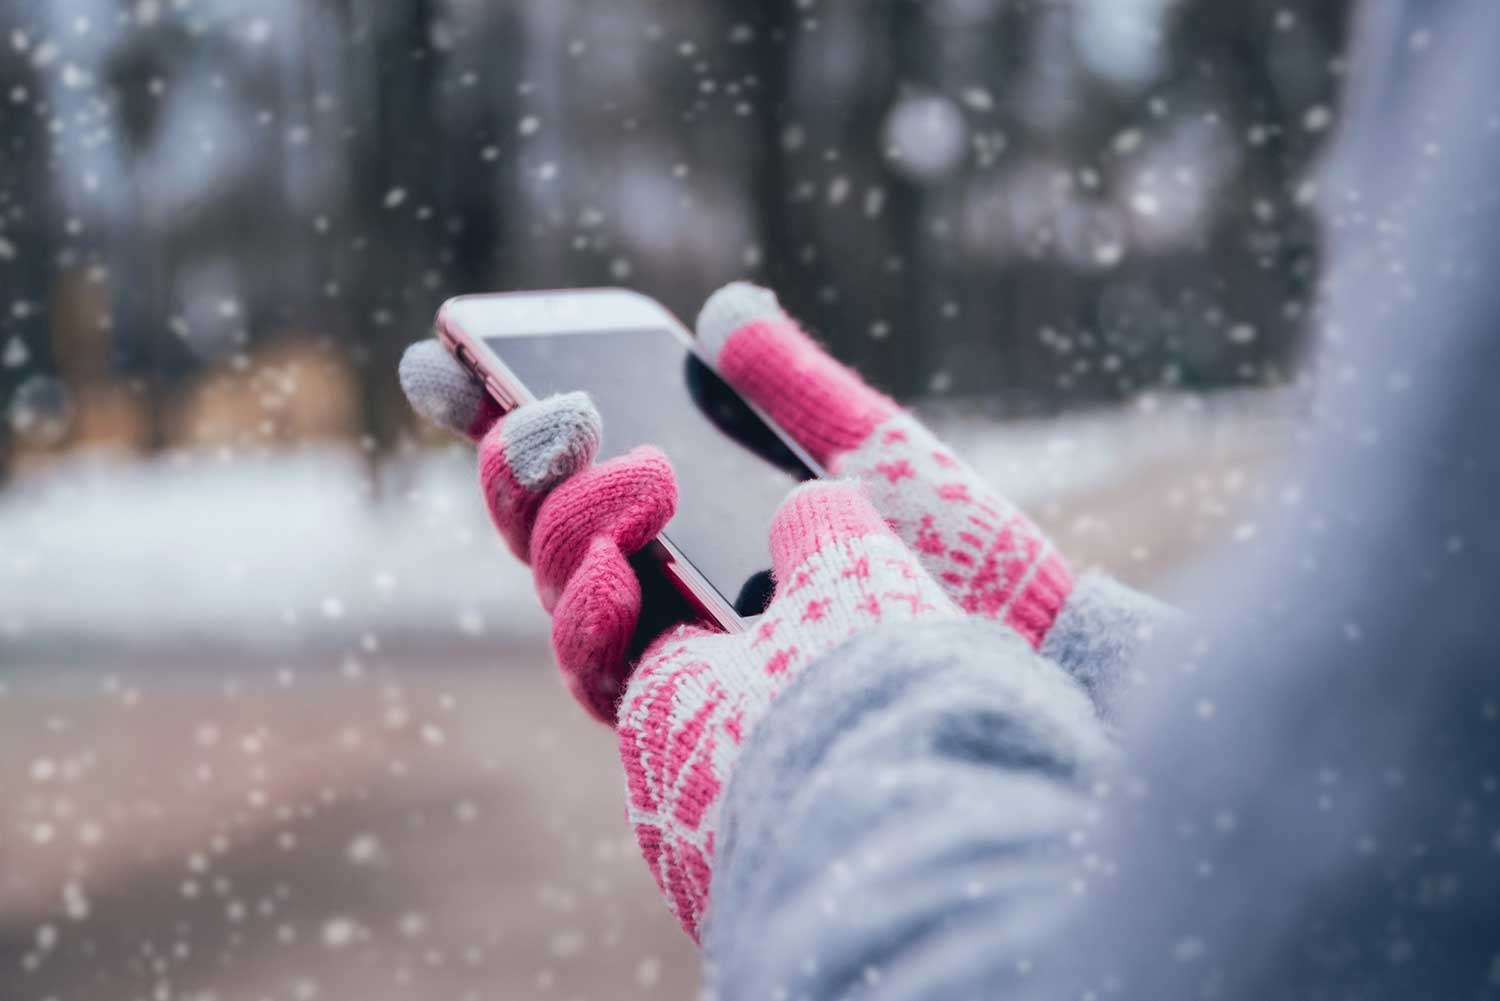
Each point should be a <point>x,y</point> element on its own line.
<point>903,822</point>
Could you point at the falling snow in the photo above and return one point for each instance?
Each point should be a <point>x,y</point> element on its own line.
<point>281,713</point>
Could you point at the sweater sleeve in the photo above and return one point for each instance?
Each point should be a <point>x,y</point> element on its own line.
<point>1100,630</point>
<point>904,822</point>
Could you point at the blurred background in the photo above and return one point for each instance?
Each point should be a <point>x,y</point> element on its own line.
<point>277,719</point>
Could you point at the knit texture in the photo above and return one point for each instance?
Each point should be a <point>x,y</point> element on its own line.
<point>439,388</point>
<point>575,523</point>
<point>991,559</point>
<point>584,532</point>
<point>697,695</point>
<point>527,453</point>
<point>550,440</point>
<point>910,817</point>
<point>1100,632</point>
<point>767,357</point>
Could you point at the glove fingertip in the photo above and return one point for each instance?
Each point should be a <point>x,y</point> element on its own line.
<point>548,441</point>
<point>441,391</point>
<point>731,308</point>
<point>817,516</point>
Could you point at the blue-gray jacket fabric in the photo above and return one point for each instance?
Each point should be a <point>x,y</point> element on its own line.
<point>1292,793</point>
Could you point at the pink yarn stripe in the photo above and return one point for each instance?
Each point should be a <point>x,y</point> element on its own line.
<point>686,901</point>
<point>699,876</point>
<point>646,742</point>
<point>1035,608</point>
<point>700,787</point>
<point>678,754</point>
<point>648,839</point>
<point>819,402</point>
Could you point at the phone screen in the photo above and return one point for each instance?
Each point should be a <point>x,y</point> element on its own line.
<point>732,469</point>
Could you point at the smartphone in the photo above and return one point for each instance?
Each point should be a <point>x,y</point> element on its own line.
<point>639,364</point>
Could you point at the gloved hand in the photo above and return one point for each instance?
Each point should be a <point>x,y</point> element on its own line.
<point>838,565</point>
<point>698,693</point>
<point>574,523</point>
<point>989,557</point>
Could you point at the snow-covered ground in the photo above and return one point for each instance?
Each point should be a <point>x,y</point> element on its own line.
<point>263,552</point>
<point>270,553</point>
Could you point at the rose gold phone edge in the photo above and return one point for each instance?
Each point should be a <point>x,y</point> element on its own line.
<point>566,311</point>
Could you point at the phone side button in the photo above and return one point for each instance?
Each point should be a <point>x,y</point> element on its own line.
<point>499,393</point>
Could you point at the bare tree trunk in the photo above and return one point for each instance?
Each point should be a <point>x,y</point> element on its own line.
<point>28,229</point>
<point>391,166</point>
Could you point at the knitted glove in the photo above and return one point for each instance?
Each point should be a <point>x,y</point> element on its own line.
<point>576,524</point>
<point>988,556</point>
<point>697,694</point>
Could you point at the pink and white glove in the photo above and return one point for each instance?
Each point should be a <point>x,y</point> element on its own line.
<point>697,693</point>
<point>989,557</point>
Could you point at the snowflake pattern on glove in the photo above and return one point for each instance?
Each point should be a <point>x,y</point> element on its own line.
<point>991,559</point>
<point>696,694</point>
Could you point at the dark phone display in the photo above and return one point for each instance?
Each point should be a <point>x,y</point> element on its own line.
<point>732,469</point>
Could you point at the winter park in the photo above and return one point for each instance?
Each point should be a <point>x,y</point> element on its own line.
<point>1138,347</point>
